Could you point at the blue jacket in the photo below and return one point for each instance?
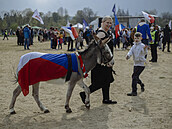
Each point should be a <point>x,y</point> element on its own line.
<point>144,29</point>
<point>26,32</point>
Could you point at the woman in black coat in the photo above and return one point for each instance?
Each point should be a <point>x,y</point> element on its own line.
<point>101,76</point>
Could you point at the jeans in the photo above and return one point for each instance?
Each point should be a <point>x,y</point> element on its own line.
<point>135,77</point>
<point>26,43</point>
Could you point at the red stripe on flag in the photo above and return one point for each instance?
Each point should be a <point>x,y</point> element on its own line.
<point>37,70</point>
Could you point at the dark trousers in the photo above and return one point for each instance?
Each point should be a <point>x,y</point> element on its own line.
<point>168,46</point>
<point>117,42</point>
<point>105,90</point>
<point>154,52</point>
<point>145,42</point>
<point>70,43</point>
<point>135,77</point>
<point>5,36</point>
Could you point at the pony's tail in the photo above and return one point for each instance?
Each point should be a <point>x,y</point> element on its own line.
<point>15,76</point>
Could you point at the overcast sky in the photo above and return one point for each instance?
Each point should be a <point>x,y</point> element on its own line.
<point>101,7</point>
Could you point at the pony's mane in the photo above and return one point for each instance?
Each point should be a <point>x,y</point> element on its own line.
<point>87,49</point>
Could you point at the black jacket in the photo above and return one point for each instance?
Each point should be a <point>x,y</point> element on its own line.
<point>102,75</point>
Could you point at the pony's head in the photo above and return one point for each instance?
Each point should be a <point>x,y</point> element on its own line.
<point>105,56</point>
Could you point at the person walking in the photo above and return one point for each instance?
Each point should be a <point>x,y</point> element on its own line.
<point>70,41</point>
<point>154,44</point>
<point>138,51</point>
<point>26,32</point>
<point>5,34</point>
<point>144,29</point>
<point>18,35</point>
<point>166,31</point>
<point>101,76</point>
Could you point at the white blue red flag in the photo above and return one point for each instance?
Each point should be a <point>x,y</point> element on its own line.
<point>116,27</point>
<point>72,32</point>
<point>148,17</point>
<point>35,67</point>
<point>37,16</point>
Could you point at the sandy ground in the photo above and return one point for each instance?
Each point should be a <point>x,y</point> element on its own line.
<point>149,110</point>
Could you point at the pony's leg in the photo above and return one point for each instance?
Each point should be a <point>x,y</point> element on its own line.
<point>35,94</point>
<point>68,96</point>
<point>16,93</point>
<point>87,92</point>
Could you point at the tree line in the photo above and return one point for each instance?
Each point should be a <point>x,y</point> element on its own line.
<point>15,18</point>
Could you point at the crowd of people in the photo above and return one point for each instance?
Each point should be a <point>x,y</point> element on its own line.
<point>152,35</point>
<point>57,37</point>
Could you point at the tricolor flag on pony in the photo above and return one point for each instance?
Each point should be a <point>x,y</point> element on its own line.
<point>35,67</point>
<point>148,17</point>
<point>37,16</point>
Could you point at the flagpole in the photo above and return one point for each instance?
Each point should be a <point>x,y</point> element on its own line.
<point>30,20</point>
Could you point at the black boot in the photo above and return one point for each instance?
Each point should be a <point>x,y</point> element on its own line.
<point>132,94</point>
<point>109,102</point>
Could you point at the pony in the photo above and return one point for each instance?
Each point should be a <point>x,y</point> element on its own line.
<point>97,52</point>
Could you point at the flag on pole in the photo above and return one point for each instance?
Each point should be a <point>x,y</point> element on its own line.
<point>114,9</point>
<point>72,32</point>
<point>116,27</point>
<point>68,23</point>
<point>37,16</point>
<point>169,24</point>
<point>116,22</point>
<point>148,17</point>
<point>84,24</point>
<point>122,26</point>
<point>129,26</point>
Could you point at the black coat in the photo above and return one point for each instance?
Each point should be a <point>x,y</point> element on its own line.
<point>102,75</point>
<point>166,34</point>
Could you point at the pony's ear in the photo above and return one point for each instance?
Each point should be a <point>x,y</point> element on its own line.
<point>106,40</point>
<point>95,37</point>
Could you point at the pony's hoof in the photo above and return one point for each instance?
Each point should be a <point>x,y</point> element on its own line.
<point>68,111</point>
<point>87,106</point>
<point>13,112</point>
<point>46,111</point>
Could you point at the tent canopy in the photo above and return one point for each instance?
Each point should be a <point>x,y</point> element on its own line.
<point>36,27</point>
<point>78,25</point>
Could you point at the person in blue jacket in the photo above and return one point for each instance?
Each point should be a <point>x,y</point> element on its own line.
<point>144,29</point>
<point>26,32</point>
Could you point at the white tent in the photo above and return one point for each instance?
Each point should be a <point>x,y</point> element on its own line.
<point>78,25</point>
<point>95,24</point>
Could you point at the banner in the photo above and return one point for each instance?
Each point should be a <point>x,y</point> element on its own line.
<point>148,17</point>
<point>37,16</point>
